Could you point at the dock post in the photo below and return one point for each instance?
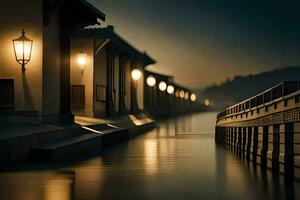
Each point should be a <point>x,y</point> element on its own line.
<point>289,149</point>
<point>265,138</point>
<point>276,145</point>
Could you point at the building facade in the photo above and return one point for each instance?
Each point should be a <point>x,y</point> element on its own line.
<point>41,92</point>
<point>105,86</point>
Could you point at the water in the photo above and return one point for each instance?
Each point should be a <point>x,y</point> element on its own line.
<point>178,160</point>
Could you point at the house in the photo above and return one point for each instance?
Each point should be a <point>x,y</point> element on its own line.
<point>40,90</point>
<point>106,74</point>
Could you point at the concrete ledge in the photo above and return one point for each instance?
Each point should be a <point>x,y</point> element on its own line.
<point>137,130</point>
<point>53,142</point>
<point>67,147</point>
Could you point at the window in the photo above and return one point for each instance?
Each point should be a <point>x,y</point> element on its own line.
<point>6,93</point>
<point>100,93</point>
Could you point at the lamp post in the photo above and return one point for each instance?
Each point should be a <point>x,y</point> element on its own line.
<point>181,94</point>
<point>22,49</point>
<point>162,86</point>
<point>207,102</point>
<point>81,61</point>
<point>151,81</point>
<point>135,75</point>
<point>193,97</point>
<point>170,89</point>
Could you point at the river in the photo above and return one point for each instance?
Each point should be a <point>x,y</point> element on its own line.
<point>177,160</point>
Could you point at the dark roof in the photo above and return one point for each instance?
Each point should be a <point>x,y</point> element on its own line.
<point>158,74</point>
<point>108,33</point>
<point>87,13</point>
<point>166,78</point>
<point>100,14</point>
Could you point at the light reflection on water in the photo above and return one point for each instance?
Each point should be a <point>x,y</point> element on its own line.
<point>178,160</point>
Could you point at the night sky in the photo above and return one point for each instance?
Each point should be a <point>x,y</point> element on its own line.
<point>206,42</point>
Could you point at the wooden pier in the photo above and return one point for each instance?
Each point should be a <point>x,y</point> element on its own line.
<point>265,128</point>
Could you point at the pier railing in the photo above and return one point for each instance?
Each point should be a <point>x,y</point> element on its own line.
<point>265,128</point>
<point>262,103</point>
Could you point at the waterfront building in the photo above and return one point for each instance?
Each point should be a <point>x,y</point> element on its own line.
<point>37,87</point>
<point>112,81</point>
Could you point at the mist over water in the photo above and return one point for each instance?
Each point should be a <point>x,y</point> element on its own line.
<point>177,160</point>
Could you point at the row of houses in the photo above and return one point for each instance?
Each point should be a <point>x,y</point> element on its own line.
<point>57,68</point>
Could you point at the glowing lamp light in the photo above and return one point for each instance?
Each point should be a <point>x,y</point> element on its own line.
<point>136,74</point>
<point>186,96</point>
<point>181,94</point>
<point>22,49</point>
<point>151,81</point>
<point>206,102</point>
<point>162,86</point>
<point>82,60</point>
<point>170,89</point>
<point>177,93</point>
<point>193,97</point>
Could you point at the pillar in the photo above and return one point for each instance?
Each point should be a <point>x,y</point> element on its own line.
<point>265,141</point>
<point>289,149</point>
<point>276,145</point>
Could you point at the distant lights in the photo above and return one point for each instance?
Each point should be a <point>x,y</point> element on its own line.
<point>177,93</point>
<point>186,96</point>
<point>181,94</point>
<point>170,89</point>
<point>193,97</point>
<point>206,102</point>
<point>136,74</point>
<point>162,86</point>
<point>151,81</point>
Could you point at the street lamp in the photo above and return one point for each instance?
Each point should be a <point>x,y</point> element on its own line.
<point>82,60</point>
<point>151,81</point>
<point>170,89</point>
<point>186,96</point>
<point>206,102</point>
<point>193,97</point>
<point>136,74</point>
<point>177,93</point>
<point>181,94</point>
<point>22,48</point>
<point>162,86</point>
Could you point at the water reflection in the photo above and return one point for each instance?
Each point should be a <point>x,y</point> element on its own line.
<point>151,156</point>
<point>178,160</point>
<point>36,185</point>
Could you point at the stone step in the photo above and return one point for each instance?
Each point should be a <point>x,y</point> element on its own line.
<point>91,139</point>
<point>67,147</point>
